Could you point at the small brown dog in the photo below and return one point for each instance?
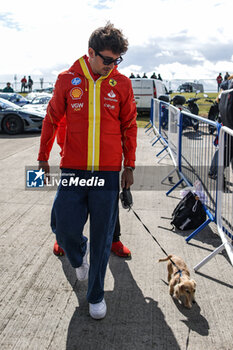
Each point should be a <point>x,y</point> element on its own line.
<point>180,284</point>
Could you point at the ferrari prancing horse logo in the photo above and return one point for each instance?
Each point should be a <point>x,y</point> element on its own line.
<point>112,82</point>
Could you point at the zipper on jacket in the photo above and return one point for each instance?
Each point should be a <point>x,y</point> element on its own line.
<point>92,156</point>
<point>93,136</point>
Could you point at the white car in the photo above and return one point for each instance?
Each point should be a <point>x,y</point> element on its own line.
<point>146,89</point>
<point>39,102</point>
<point>32,95</point>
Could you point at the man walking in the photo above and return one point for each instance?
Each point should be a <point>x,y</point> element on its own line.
<point>219,80</point>
<point>100,112</point>
<point>117,246</point>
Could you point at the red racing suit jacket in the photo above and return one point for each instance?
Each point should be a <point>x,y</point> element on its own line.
<point>100,119</point>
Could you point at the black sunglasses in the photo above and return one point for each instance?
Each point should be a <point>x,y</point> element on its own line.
<point>108,60</point>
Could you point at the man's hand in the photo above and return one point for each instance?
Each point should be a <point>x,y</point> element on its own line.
<point>127,178</point>
<point>46,168</point>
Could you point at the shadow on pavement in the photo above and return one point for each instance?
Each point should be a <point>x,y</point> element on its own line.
<point>205,236</point>
<point>194,320</point>
<point>132,322</point>
<point>215,279</point>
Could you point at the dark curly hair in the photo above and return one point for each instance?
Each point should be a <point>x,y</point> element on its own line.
<point>108,38</point>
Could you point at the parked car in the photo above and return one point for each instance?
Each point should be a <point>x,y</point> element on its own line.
<point>14,97</point>
<point>39,103</point>
<point>34,94</point>
<point>15,119</point>
<point>146,89</point>
<point>41,99</point>
<point>190,87</point>
<point>49,89</point>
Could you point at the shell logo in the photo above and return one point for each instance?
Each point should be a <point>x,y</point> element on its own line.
<point>76,93</point>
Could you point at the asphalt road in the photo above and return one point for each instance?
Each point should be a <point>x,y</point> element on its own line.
<point>43,306</point>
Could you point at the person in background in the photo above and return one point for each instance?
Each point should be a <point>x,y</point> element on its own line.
<point>159,77</point>
<point>132,76</point>
<point>154,76</point>
<point>219,80</point>
<point>8,88</point>
<point>30,83</point>
<point>100,110</point>
<point>23,84</point>
<point>138,76</point>
<point>41,83</point>
<point>117,246</point>
<point>226,76</point>
<point>227,84</point>
<point>144,75</point>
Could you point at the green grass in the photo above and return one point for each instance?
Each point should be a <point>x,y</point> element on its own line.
<point>142,121</point>
<point>204,106</point>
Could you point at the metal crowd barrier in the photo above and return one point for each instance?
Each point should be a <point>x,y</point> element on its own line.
<point>197,151</point>
<point>149,126</point>
<point>191,147</point>
<point>171,122</point>
<point>155,123</point>
<point>163,126</point>
<point>156,115</point>
<point>225,196</point>
<point>197,156</point>
<point>173,134</point>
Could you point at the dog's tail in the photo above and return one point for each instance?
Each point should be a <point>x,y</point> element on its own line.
<point>166,259</point>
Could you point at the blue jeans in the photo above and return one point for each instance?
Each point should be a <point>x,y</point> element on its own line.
<point>71,207</point>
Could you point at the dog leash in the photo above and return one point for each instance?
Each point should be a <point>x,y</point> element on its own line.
<point>127,203</point>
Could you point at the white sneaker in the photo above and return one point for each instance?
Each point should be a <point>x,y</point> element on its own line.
<point>82,271</point>
<point>98,311</point>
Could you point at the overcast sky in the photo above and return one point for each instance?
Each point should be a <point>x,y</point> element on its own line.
<point>179,39</point>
